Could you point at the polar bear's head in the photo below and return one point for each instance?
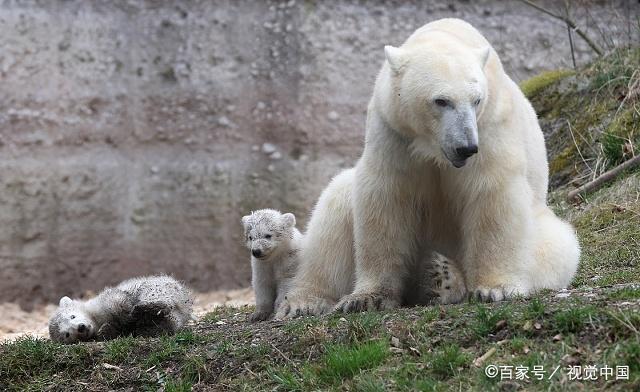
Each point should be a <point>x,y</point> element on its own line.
<point>268,232</point>
<point>71,323</point>
<point>438,90</point>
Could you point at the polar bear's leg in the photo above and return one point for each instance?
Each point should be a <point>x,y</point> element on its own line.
<point>326,269</point>
<point>498,229</point>
<point>557,252</point>
<point>385,231</point>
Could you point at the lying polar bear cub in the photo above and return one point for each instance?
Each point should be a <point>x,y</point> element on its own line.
<point>146,306</point>
<point>274,242</point>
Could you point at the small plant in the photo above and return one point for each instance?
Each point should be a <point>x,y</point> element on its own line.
<point>573,319</point>
<point>177,385</point>
<point>487,319</point>
<point>447,362</point>
<point>286,378</point>
<point>535,309</point>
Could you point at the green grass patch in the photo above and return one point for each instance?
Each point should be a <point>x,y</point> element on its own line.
<point>346,361</point>
<point>448,361</point>
<point>486,320</point>
<point>119,350</point>
<point>625,293</point>
<point>573,319</point>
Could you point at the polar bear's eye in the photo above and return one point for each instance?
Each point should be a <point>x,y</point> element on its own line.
<point>268,236</point>
<point>476,102</point>
<point>250,238</point>
<point>442,102</point>
<point>72,317</point>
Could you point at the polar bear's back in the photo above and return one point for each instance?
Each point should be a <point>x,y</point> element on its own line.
<point>158,289</point>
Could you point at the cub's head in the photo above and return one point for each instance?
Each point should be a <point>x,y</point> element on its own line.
<point>71,323</point>
<point>438,90</point>
<point>267,232</point>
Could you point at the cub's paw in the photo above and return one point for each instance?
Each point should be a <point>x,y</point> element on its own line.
<point>106,332</point>
<point>448,281</point>
<point>259,316</point>
<point>296,307</point>
<point>365,302</point>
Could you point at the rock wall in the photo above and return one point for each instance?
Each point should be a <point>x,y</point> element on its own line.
<point>135,134</point>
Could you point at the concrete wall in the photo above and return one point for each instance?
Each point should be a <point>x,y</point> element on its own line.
<point>135,134</point>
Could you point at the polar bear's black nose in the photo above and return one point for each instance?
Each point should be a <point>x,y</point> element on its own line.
<point>82,328</point>
<point>466,151</point>
<point>256,253</point>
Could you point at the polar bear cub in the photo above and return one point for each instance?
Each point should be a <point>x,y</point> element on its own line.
<point>145,306</point>
<point>274,242</point>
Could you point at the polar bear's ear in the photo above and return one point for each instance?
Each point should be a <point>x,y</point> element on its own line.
<point>245,220</point>
<point>395,57</point>
<point>484,56</point>
<point>289,219</point>
<point>65,301</point>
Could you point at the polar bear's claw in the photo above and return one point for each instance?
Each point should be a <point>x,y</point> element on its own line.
<point>292,308</point>
<point>496,294</point>
<point>365,302</point>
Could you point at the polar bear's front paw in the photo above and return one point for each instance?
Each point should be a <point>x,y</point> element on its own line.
<point>495,294</point>
<point>365,302</point>
<point>296,307</point>
<point>259,316</point>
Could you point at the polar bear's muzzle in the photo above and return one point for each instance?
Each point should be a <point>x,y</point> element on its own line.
<point>460,137</point>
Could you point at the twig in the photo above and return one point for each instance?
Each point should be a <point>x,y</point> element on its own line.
<point>573,54</point>
<point>578,148</point>
<point>570,23</point>
<point>604,178</point>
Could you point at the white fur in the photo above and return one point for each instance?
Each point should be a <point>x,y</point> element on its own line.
<point>413,194</point>
<point>274,234</point>
<point>161,300</point>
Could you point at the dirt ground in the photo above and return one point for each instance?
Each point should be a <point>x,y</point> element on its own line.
<point>15,322</point>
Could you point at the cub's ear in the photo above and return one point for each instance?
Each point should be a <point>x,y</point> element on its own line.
<point>484,56</point>
<point>289,219</point>
<point>395,57</point>
<point>65,301</point>
<point>245,220</point>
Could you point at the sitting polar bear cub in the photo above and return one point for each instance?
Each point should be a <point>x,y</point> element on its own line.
<point>454,162</point>
<point>274,242</point>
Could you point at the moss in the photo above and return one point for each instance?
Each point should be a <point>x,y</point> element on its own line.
<point>562,160</point>
<point>534,85</point>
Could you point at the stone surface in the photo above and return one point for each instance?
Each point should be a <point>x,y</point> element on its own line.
<point>132,132</point>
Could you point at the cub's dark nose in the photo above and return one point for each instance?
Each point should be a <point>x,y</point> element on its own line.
<point>256,253</point>
<point>466,151</point>
<point>82,328</point>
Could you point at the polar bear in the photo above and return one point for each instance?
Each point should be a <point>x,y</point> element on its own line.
<point>145,306</point>
<point>274,242</point>
<point>454,162</point>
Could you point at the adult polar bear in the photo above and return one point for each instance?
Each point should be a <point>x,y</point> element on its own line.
<point>454,161</point>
